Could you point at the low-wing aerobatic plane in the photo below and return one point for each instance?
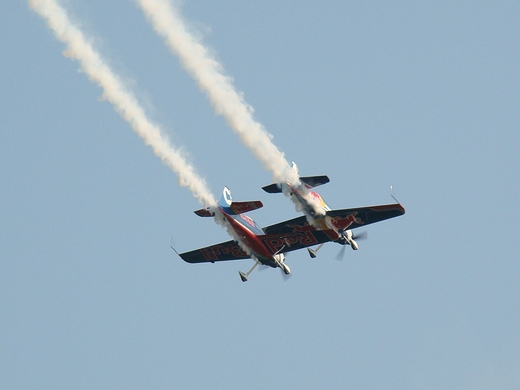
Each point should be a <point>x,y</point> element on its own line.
<point>268,246</point>
<point>321,216</point>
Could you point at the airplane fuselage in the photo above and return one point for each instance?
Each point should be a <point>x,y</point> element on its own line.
<point>247,232</point>
<point>314,206</point>
<point>311,202</point>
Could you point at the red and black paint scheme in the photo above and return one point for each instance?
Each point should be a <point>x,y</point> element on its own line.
<point>267,246</point>
<point>250,239</point>
<point>337,224</point>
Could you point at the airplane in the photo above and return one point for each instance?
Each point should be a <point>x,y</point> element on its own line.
<point>318,213</point>
<point>268,246</point>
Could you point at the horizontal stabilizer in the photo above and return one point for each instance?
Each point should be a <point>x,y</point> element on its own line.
<point>226,203</point>
<point>272,189</point>
<point>341,219</point>
<point>244,207</point>
<point>309,181</point>
<point>204,213</point>
<point>315,181</point>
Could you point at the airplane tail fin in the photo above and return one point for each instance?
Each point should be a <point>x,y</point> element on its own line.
<point>233,208</point>
<point>226,202</point>
<point>309,181</point>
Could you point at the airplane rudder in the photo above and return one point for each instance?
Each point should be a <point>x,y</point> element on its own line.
<point>226,199</point>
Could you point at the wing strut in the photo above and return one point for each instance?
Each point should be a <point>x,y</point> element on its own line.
<point>313,252</point>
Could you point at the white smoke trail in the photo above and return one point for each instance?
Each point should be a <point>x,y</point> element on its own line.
<point>124,102</point>
<point>226,101</point>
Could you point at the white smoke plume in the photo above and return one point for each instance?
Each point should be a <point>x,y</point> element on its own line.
<point>124,102</point>
<point>209,74</point>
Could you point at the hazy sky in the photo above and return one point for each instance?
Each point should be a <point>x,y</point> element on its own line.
<point>424,97</point>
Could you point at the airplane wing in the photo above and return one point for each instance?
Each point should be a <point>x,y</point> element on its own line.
<point>296,233</point>
<point>288,226</point>
<point>290,239</point>
<point>228,250</point>
<point>296,239</point>
<point>362,216</point>
<point>342,219</point>
<point>287,241</point>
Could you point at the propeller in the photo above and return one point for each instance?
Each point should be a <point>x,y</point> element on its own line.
<point>341,253</point>
<point>360,236</point>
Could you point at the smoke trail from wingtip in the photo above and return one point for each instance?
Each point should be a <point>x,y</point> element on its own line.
<point>118,95</point>
<point>208,72</point>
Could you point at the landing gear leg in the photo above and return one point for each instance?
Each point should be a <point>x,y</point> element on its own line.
<point>284,267</point>
<point>244,276</point>
<point>313,252</point>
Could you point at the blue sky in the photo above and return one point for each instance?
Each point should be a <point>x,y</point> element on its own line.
<point>423,97</point>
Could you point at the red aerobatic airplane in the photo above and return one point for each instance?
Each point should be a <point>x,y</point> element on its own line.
<point>268,246</point>
<point>320,215</point>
